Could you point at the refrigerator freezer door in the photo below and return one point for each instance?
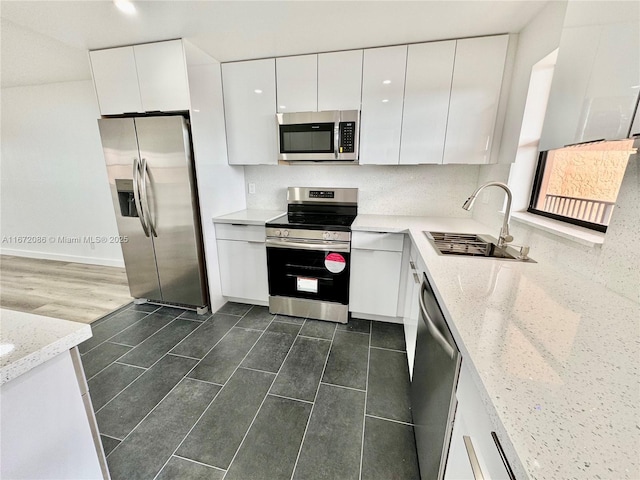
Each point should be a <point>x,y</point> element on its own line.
<point>121,152</point>
<point>164,147</point>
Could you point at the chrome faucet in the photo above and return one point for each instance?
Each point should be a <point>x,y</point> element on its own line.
<point>504,237</point>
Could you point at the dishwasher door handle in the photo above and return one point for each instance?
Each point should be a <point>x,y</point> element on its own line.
<point>437,335</point>
<point>473,458</point>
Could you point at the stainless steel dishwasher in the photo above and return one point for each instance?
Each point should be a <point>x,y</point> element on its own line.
<point>433,387</point>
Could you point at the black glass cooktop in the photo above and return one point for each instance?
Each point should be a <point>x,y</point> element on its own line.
<point>313,216</point>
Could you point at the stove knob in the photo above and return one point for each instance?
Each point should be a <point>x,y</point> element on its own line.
<point>335,235</point>
<point>285,233</point>
<point>278,233</point>
<point>326,235</point>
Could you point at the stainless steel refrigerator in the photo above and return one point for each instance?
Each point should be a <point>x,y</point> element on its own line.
<point>152,181</point>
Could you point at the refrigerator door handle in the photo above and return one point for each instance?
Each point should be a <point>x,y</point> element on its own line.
<point>144,198</point>
<point>136,195</point>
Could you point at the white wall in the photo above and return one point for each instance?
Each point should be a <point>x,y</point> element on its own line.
<point>434,190</point>
<point>54,179</point>
<point>220,186</point>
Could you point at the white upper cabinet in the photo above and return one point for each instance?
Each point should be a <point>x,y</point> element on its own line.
<point>297,81</point>
<point>595,81</point>
<point>475,95</point>
<point>250,111</point>
<point>142,78</point>
<point>426,102</point>
<point>382,98</point>
<point>116,80</point>
<point>162,75</point>
<point>340,80</point>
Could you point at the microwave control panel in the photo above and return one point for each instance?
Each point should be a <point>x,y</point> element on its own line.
<point>347,137</point>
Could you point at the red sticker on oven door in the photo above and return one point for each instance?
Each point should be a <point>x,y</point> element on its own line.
<point>335,262</point>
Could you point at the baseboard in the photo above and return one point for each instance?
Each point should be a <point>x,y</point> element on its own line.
<point>378,318</point>
<point>63,258</point>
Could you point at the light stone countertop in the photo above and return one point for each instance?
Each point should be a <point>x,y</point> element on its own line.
<point>249,217</point>
<point>28,340</point>
<point>554,355</point>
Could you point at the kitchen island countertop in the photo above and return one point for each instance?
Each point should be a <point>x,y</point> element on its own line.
<point>554,355</point>
<point>28,340</point>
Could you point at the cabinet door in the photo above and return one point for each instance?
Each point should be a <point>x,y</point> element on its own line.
<point>607,108</point>
<point>250,111</point>
<point>297,83</point>
<point>426,102</point>
<point>375,282</point>
<point>382,96</point>
<point>475,94</point>
<point>162,74</point>
<point>116,80</point>
<point>243,269</point>
<point>340,80</point>
<point>594,87</point>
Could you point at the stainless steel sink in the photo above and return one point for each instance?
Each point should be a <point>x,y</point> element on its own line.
<point>473,245</point>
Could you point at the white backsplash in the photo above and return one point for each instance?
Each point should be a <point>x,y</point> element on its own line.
<point>423,190</point>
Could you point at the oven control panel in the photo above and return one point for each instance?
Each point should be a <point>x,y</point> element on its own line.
<point>302,234</point>
<point>322,194</point>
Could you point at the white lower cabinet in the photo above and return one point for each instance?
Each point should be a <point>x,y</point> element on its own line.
<point>473,421</point>
<point>376,262</point>
<point>242,256</point>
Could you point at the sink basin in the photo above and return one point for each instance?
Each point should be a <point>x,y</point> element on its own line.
<point>472,245</point>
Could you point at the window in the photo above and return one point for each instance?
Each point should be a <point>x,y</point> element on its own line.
<point>579,184</point>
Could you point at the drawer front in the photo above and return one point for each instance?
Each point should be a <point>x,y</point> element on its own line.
<point>232,231</point>
<point>391,242</point>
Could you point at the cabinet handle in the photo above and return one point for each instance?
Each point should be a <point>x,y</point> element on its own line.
<point>239,225</point>
<point>416,278</point>
<point>503,456</point>
<point>412,265</point>
<point>473,458</point>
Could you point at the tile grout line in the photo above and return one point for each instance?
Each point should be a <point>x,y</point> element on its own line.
<point>316,338</point>
<point>364,415</point>
<point>390,349</point>
<point>131,348</point>
<point>343,386</point>
<point>195,461</point>
<point>389,420</point>
<point>203,381</point>
<point>182,356</point>
<point>218,393</point>
<point>275,377</point>
<point>257,369</point>
<point>128,365</point>
<point>118,333</point>
<point>110,436</point>
<point>290,398</point>
<point>148,368</point>
<point>306,428</point>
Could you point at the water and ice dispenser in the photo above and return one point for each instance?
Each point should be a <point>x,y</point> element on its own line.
<point>126,198</point>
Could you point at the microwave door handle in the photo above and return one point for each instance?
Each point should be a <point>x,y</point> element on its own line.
<point>136,196</point>
<point>336,135</point>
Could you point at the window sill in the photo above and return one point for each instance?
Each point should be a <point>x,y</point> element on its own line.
<point>580,235</point>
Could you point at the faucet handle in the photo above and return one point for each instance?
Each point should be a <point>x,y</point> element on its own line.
<point>508,238</point>
<point>524,252</point>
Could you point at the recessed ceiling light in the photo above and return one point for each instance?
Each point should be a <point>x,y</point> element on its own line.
<point>386,82</point>
<point>282,107</point>
<point>125,6</point>
<point>385,100</point>
<point>257,90</point>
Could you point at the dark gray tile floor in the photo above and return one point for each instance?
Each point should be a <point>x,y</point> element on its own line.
<point>243,394</point>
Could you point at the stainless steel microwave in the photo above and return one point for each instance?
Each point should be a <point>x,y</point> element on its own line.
<point>330,136</point>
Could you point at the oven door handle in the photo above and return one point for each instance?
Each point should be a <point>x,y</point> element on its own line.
<point>318,245</point>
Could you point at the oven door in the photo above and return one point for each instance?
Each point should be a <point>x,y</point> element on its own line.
<point>313,270</point>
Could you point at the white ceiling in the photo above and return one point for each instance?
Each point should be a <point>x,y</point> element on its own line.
<point>46,41</point>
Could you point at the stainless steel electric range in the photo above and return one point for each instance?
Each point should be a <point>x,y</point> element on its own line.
<point>308,253</point>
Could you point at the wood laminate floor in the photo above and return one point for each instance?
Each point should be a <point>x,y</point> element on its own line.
<point>71,291</point>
